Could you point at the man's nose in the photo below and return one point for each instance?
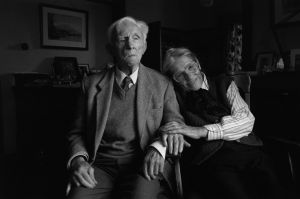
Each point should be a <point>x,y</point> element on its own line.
<point>129,42</point>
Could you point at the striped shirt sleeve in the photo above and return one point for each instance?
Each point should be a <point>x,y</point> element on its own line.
<point>235,126</point>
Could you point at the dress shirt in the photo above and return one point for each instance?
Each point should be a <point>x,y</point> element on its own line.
<point>120,75</point>
<point>235,126</point>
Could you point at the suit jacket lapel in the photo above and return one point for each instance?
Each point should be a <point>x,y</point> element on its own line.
<point>103,99</point>
<point>144,94</point>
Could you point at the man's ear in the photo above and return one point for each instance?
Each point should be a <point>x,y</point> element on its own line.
<point>145,47</point>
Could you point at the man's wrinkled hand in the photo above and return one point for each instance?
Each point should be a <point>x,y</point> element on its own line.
<point>82,173</point>
<point>153,164</point>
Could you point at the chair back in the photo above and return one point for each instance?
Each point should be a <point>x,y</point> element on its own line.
<point>243,82</point>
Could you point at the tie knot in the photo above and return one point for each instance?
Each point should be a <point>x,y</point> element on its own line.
<point>127,80</point>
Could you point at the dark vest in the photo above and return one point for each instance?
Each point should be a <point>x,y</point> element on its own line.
<point>206,107</point>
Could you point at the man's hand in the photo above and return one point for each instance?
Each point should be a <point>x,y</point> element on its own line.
<point>82,173</point>
<point>153,164</point>
<point>178,128</point>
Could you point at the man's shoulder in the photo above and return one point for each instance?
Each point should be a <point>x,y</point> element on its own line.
<point>156,74</point>
<point>94,78</point>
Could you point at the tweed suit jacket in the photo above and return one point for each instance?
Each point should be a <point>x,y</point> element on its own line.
<point>156,104</point>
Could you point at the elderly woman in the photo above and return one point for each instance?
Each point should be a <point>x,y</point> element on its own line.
<point>219,126</point>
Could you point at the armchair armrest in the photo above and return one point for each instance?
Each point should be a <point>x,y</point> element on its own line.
<point>179,188</point>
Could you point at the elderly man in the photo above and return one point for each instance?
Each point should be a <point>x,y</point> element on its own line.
<point>114,139</point>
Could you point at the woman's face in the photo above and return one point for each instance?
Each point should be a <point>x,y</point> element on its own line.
<point>187,73</point>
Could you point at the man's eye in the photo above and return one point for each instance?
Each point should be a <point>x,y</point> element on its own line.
<point>136,37</point>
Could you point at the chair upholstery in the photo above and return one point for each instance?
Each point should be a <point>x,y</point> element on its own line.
<point>243,82</point>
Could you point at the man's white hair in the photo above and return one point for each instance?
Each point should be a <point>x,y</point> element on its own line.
<point>112,30</point>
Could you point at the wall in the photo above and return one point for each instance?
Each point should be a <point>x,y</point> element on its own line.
<point>181,14</point>
<point>19,22</point>
<point>263,38</point>
<point>199,26</point>
<point>189,15</point>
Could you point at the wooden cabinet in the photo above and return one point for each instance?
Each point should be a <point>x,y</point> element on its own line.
<point>44,114</point>
<point>275,103</point>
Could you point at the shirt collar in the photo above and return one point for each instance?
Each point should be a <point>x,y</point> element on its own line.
<point>120,75</point>
<point>204,83</point>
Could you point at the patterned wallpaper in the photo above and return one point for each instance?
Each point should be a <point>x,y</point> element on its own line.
<point>234,49</point>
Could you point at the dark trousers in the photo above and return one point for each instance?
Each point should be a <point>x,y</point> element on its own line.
<point>236,171</point>
<point>120,179</point>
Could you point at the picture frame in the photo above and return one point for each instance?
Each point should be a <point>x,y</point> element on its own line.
<point>63,28</point>
<point>294,60</point>
<point>83,69</point>
<point>265,62</point>
<point>285,12</point>
<point>65,70</point>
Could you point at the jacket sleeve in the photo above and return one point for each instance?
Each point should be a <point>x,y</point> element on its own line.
<point>171,113</point>
<point>171,110</point>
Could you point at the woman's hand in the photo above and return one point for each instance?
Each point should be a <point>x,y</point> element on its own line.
<point>178,128</point>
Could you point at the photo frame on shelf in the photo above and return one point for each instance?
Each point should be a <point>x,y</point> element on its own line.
<point>63,28</point>
<point>285,12</point>
<point>65,70</point>
<point>294,60</point>
<point>83,69</point>
<point>265,62</point>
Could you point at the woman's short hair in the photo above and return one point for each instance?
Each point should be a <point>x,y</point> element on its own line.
<point>112,30</point>
<point>172,54</point>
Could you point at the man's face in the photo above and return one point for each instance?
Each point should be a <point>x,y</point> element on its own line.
<point>129,45</point>
<point>187,73</point>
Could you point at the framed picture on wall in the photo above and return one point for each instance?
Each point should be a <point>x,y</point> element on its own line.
<point>265,62</point>
<point>63,28</point>
<point>285,12</point>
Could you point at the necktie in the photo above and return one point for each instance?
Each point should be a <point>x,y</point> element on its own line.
<point>125,84</point>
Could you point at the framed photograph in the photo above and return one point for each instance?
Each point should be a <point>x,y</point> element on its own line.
<point>63,28</point>
<point>285,12</point>
<point>265,62</point>
<point>65,69</point>
<point>295,59</point>
<point>83,69</point>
